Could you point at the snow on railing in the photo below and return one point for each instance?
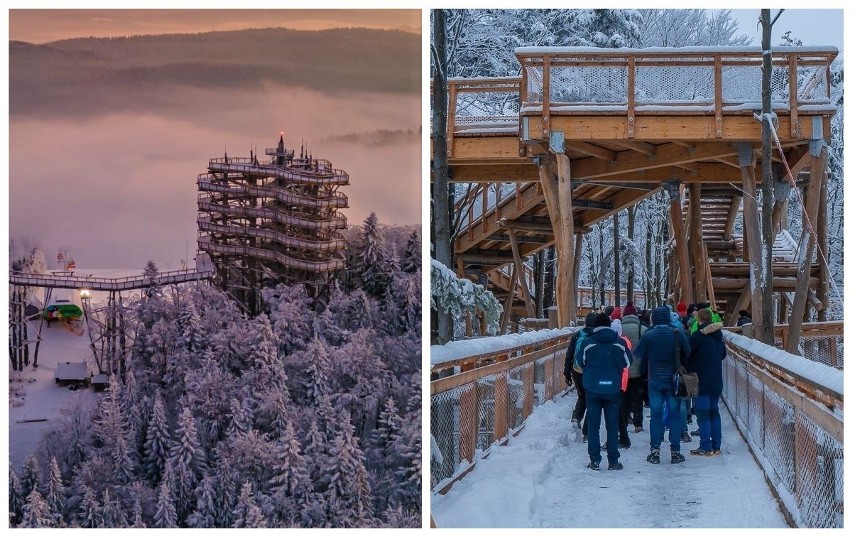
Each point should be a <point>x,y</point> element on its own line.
<point>790,411</point>
<point>493,385</point>
<point>106,284</point>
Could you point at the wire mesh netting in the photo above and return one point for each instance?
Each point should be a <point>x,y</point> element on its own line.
<point>673,83</point>
<point>804,457</point>
<point>599,84</point>
<point>467,420</point>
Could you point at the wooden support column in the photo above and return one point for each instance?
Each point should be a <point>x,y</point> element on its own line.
<point>751,227</point>
<point>686,291</point>
<point>578,256</point>
<point>566,213</point>
<point>557,195</point>
<point>510,298</point>
<point>742,303</point>
<point>520,273</point>
<point>696,242</point>
<point>732,217</point>
<point>822,240</point>
<point>806,252</point>
<point>468,421</point>
<point>501,406</point>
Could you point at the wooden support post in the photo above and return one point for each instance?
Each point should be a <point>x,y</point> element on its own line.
<point>510,298</point>
<point>822,254</point>
<point>732,217</point>
<point>468,421</point>
<point>806,245</point>
<point>742,303</point>
<point>696,242</point>
<point>554,187</point>
<point>501,406</point>
<point>751,227</point>
<point>686,291</point>
<point>520,273</point>
<point>566,213</point>
<point>578,256</point>
<point>548,379</point>
<point>528,379</point>
<point>708,277</point>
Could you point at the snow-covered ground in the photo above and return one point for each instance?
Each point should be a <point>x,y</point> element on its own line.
<point>540,479</point>
<point>33,394</point>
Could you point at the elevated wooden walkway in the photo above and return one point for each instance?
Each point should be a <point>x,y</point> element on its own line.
<point>614,126</point>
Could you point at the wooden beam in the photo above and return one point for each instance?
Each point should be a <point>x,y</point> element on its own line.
<point>642,147</point>
<point>565,242</point>
<point>732,217</point>
<point>806,244</point>
<point>822,254</point>
<point>550,186</point>
<point>732,314</point>
<point>751,225</point>
<point>686,291</point>
<point>578,256</point>
<point>520,274</point>
<point>507,305</point>
<point>696,245</point>
<point>592,150</point>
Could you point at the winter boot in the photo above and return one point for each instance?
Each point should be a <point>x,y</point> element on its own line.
<point>654,456</point>
<point>677,458</point>
<point>593,465</point>
<point>685,437</point>
<point>616,466</point>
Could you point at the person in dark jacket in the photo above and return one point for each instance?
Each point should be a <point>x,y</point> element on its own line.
<point>603,357</point>
<point>707,350</point>
<point>575,373</point>
<point>745,318</point>
<point>632,401</point>
<point>657,351</point>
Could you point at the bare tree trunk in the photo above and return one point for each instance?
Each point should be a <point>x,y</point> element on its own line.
<point>631,270</point>
<point>767,183</point>
<point>616,261</point>
<point>440,181</point>
<point>603,280</point>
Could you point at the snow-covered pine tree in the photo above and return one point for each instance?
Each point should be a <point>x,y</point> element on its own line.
<point>206,509</point>
<point>55,492</point>
<point>16,501</point>
<point>349,486</point>
<point>36,512</point>
<point>151,270</point>
<point>90,510</point>
<point>112,511</point>
<point>30,477</point>
<point>165,515</point>
<point>241,417</point>
<point>193,336</point>
<point>158,443</point>
<point>290,479</point>
<point>318,370</point>
<point>247,514</point>
<point>373,259</point>
<point>188,463</point>
<point>138,521</point>
<point>411,261</point>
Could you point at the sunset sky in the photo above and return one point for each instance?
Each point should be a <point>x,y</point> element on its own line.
<point>105,164</point>
<point>42,26</point>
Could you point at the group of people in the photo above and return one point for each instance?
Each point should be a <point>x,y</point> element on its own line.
<point>622,360</point>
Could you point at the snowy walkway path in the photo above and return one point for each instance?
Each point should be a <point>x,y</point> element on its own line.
<point>540,480</point>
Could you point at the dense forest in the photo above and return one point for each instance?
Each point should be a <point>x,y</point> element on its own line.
<point>308,415</point>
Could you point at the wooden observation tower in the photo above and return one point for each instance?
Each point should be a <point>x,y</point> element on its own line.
<point>264,223</point>
<point>584,133</point>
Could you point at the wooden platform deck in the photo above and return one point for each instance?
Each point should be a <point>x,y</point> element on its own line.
<point>630,121</point>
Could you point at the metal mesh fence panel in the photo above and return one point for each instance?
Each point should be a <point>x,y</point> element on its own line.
<point>780,437</point>
<point>755,415</point>
<point>516,398</point>
<point>826,350</point>
<point>658,84</point>
<point>819,475</point>
<point>444,429</point>
<point>538,386</point>
<point>604,85</point>
<point>812,84</point>
<point>742,392</point>
<point>535,92</point>
<point>485,391</point>
<point>741,84</point>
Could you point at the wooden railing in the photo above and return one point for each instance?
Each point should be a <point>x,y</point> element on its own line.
<point>790,411</point>
<point>487,397</point>
<point>692,80</point>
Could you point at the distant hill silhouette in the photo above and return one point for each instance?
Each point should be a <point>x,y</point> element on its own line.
<point>96,75</point>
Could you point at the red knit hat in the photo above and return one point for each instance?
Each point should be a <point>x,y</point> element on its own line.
<point>616,313</point>
<point>681,308</point>
<point>629,309</point>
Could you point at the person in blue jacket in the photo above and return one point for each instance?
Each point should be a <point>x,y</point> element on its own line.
<point>603,357</point>
<point>657,351</point>
<point>707,350</point>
